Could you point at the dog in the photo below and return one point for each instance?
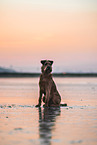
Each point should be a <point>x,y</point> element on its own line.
<point>48,91</point>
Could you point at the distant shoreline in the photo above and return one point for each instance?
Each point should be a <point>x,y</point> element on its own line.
<point>20,74</point>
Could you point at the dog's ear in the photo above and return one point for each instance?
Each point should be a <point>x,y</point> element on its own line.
<point>43,61</point>
<point>51,62</point>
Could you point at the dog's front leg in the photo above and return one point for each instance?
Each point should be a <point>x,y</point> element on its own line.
<point>39,101</point>
<point>47,97</point>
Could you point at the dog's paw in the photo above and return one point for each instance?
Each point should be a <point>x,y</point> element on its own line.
<point>37,105</point>
<point>44,105</point>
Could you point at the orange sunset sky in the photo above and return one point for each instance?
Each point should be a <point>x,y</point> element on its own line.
<point>62,30</point>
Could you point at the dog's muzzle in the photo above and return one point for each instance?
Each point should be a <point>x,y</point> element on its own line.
<point>47,68</point>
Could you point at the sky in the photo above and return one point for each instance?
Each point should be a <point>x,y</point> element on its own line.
<point>64,31</point>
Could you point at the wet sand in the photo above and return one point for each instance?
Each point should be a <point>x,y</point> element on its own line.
<point>23,124</point>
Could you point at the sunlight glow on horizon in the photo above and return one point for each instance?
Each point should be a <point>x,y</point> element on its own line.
<point>60,30</point>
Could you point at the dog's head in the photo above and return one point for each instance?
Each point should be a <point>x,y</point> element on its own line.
<point>46,66</point>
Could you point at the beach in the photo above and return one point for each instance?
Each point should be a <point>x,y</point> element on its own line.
<point>21,123</point>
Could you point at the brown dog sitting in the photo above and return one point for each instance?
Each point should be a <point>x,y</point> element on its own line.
<point>48,90</point>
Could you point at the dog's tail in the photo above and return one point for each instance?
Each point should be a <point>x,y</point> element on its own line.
<point>63,104</point>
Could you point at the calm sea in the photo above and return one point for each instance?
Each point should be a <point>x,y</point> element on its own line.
<point>23,124</point>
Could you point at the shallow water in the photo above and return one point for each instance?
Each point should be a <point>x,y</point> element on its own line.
<point>23,124</point>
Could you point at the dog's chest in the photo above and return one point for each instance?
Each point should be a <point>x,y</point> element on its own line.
<point>44,83</point>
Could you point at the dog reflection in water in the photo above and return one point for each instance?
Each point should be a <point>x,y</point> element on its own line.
<point>47,120</point>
